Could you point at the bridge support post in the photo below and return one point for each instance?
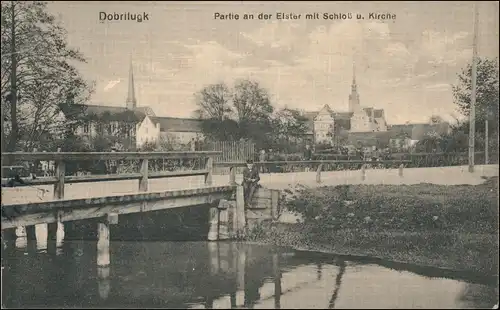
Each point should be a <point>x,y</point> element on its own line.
<point>223,220</point>
<point>59,185</point>
<point>363,172</point>
<point>400,172</point>
<point>210,167</point>
<point>52,238</point>
<point>213,232</point>
<point>103,244</point>
<point>30,238</point>
<point>143,181</point>
<point>103,232</point>
<point>103,282</point>
<point>213,251</point>
<point>239,222</point>
<point>232,176</point>
<point>318,173</point>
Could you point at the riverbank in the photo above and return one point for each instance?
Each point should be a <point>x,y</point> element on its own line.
<point>452,227</point>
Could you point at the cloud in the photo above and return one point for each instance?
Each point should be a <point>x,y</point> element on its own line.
<point>212,51</point>
<point>111,84</point>
<point>441,48</point>
<point>438,87</point>
<point>275,34</point>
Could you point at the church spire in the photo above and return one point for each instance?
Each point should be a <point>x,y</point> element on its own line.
<point>353,86</point>
<point>354,96</point>
<point>131,102</point>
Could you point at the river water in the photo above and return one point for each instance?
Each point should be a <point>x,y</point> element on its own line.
<point>202,274</point>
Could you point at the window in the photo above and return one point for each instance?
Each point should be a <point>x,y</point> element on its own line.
<point>86,128</point>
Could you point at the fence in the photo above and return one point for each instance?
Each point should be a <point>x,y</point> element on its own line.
<point>319,166</point>
<point>143,158</point>
<point>415,160</point>
<point>230,151</point>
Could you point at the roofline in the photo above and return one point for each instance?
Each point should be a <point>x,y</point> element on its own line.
<point>179,118</point>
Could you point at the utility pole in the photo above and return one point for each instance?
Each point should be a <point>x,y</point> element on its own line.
<point>486,140</point>
<point>472,114</point>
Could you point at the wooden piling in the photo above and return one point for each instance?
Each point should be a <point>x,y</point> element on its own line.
<point>223,220</point>
<point>143,181</point>
<point>52,238</point>
<point>103,282</point>
<point>103,244</point>
<point>52,228</point>
<point>213,224</point>
<point>401,170</point>
<point>232,176</point>
<point>214,257</point>
<point>240,268</point>
<point>31,238</point>
<point>209,166</point>
<point>59,185</point>
<point>318,173</point>
<point>239,219</point>
<point>232,299</point>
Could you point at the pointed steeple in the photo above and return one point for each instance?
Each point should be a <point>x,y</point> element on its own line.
<point>354,96</point>
<point>131,102</point>
<point>353,86</point>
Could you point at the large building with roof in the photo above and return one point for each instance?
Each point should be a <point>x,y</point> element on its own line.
<point>366,125</point>
<point>324,124</point>
<point>140,124</point>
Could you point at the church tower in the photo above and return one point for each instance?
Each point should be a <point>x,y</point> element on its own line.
<point>354,96</point>
<point>131,102</point>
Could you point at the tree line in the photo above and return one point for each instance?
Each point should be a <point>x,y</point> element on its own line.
<point>245,111</point>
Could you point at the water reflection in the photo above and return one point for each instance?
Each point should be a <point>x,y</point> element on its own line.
<point>217,275</point>
<point>338,282</point>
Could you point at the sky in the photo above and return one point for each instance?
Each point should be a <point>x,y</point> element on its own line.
<point>405,66</point>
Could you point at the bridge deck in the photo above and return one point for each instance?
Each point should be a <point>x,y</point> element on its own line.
<point>84,208</point>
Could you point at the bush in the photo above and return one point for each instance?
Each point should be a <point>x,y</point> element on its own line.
<point>407,207</point>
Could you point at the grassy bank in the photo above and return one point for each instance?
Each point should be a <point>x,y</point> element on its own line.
<point>452,227</point>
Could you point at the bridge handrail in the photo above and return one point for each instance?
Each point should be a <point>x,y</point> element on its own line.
<point>143,176</point>
<point>74,156</point>
<point>308,162</point>
<point>320,163</point>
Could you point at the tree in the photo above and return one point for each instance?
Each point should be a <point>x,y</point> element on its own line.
<point>289,126</point>
<point>241,113</point>
<point>213,102</point>
<point>339,135</point>
<point>251,102</point>
<point>38,78</point>
<point>486,92</point>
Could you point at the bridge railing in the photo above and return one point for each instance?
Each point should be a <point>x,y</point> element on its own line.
<point>319,165</point>
<point>62,158</point>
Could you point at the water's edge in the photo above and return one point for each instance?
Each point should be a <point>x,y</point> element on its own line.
<point>472,276</point>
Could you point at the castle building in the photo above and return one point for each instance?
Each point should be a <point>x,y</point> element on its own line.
<point>326,123</point>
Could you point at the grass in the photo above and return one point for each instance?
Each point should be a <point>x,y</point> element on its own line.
<point>453,227</point>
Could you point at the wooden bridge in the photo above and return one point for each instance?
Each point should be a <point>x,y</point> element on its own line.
<point>228,217</point>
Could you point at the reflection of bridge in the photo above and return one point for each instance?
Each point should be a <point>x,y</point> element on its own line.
<point>168,274</point>
<point>215,275</point>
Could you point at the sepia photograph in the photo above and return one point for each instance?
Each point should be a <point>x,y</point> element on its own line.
<point>250,154</point>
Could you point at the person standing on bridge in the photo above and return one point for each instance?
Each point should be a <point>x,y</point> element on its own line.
<point>250,183</point>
